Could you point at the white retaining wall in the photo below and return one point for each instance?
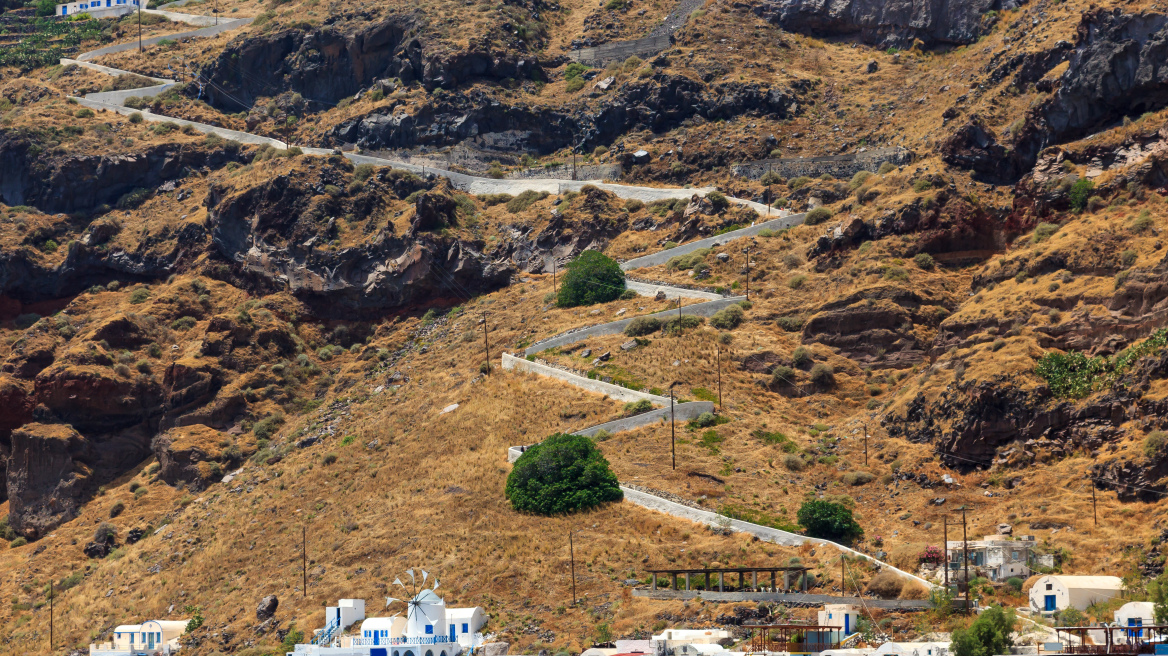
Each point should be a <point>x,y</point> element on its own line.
<point>510,362</point>
<point>661,257</point>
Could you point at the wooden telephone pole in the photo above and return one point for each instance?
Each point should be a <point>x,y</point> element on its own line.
<point>965,556</point>
<point>945,548</point>
<point>304,557</point>
<point>672,430</point>
<point>718,355</point>
<point>572,554</point>
<point>865,445</point>
<point>1094,508</point>
<point>747,251</point>
<point>486,343</point>
<point>51,595</point>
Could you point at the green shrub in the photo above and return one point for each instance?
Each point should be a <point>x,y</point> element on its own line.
<point>563,474</point>
<point>637,407</point>
<point>783,376</point>
<point>822,375</point>
<point>728,318</point>
<point>829,520</point>
<point>18,542</point>
<point>797,182</point>
<point>817,216</point>
<point>859,179</point>
<point>858,478</point>
<point>1080,193</point>
<point>924,261</point>
<point>794,463</point>
<point>329,458</point>
<point>677,325</point>
<point>525,200</point>
<point>84,112</point>
<point>896,273</point>
<point>1154,443</point>
<point>989,634</point>
<point>1015,584</point>
<point>1095,203</point>
<point>136,117</point>
<point>705,420</point>
<point>1075,375</point>
<point>266,427</point>
<point>718,200</point>
<point>790,323</point>
<point>642,326</point>
<point>139,295</point>
<point>886,168</point>
<point>105,533</point>
<point>574,85</point>
<point>801,356</point>
<point>183,323</point>
<point>1043,231</point>
<point>116,509</point>
<point>591,278</point>
<point>922,185</point>
<point>797,281</point>
<point>1143,222</point>
<point>633,205</point>
<point>689,260</point>
<point>771,178</point>
<point>1127,258</point>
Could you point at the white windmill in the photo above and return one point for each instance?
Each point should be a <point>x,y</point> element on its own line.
<point>426,611</point>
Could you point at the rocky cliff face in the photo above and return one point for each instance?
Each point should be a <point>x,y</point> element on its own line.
<point>329,63</point>
<point>657,104</point>
<point>895,23</point>
<point>47,479</point>
<point>1116,70</point>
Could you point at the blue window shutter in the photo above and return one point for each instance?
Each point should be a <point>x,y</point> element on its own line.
<point>465,627</point>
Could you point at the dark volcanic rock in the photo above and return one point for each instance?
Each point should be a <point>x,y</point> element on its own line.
<point>329,63</point>
<point>47,476</point>
<point>267,607</point>
<point>885,23</point>
<point>1116,70</point>
<point>434,211</point>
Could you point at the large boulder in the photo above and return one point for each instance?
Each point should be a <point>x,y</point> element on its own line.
<point>191,454</point>
<point>267,607</point>
<point>434,211</point>
<point>48,473</point>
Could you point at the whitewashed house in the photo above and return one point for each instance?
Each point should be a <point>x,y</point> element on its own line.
<point>1055,592</point>
<point>842,616</point>
<point>152,637</point>
<point>98,8</point>
<point>997,557</point>
<point>1136,614</point>
<point>428,629</point>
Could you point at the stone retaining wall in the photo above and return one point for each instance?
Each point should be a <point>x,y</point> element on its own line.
<point>661,257</point>
<point>583,172</point>
<point>706,309</point>
<point>840,167</point>
<point>621,50</point>
<point>510,363</point>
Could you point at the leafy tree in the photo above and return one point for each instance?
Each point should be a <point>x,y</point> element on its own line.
<point>46,7</point>
<point>1158,590</point>
<point>562,474</point>
<point>1072,617</point>
<point>591,278</point>
<point>829,520</point>
<point>988,635</point>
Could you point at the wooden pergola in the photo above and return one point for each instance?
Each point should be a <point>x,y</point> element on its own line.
<point>673,574</point>
<point>793,638</point>
<point>1119,640</point>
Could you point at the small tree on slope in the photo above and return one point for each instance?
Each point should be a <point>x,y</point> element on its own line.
<point>592,278</point>
<point>563,474</point>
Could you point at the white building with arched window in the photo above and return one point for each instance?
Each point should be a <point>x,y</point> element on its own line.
<point>151,637</point>
<point>428,628</point>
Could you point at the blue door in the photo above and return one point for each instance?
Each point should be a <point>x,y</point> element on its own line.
<point>1049,603</point>
<point>452,639</point>
<point>847,624</point>
<point>376,652</point>
<point>1135,621</point>
<point>377,636</point>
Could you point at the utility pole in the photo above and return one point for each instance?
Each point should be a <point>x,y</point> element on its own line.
<point>555,290</point>
<point>865,445</point>
<point>843,577</point>
<point>304,557</point>
<point>747,251</point>
<point>945,548</point>
<point>679,306</point>
<point>573,164</point>
<point>718,354</point>
<point>51,595</point>
<point>486,343</point>
<point>140,24</point>
<point>1094,509</point>
<point>672,430</point>
<point>572,553</point>
<point>965,556</point>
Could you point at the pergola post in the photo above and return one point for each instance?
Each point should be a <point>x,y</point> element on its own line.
<point>786,580</point>
<point>804,572</point>
<point>741,575</point>
<point>721,581</point>
<point>754,581</point>
<point>654,581</point>
<point>774,583</point>
<point>674,580</point>
<point>706,582</point>
<point>687,580</point>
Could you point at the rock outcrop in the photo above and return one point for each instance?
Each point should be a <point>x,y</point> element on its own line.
<point>1115,70</point>
<point>48,474</point>
<point>192,455</point>
<point>894,23</point>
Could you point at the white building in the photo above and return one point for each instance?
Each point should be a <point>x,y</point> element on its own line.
<point>1055,592</point>
<point>98,8</point>
<point>894,649</point>
<point>843,616</point>
<point>1136,613</point>
<point>428,629</point>
<point>150,637</point>
<point>997,557</point>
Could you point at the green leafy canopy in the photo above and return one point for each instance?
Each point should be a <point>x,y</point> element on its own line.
<point>563,474</point>
<point>591,278</point>
<point>829,520</point>
<point>988,635</point>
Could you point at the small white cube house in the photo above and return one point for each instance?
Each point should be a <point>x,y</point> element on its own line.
<point>1055,592</point>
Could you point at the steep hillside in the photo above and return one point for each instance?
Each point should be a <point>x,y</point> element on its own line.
<point>220,349</point>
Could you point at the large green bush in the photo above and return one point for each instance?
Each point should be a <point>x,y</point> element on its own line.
<point>563,474</point>
<point>829,520</point>
<point>592,278</point>
<point>728,318</point>
<point>1080,192</point>
<point>988,635</point>
<point>1075,375</point>
<point>642,326</point>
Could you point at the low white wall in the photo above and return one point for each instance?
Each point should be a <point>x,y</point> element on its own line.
<point>510,362</point>
<point>767,533</point>
<point>661,257</point>
<point>651,289</point>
